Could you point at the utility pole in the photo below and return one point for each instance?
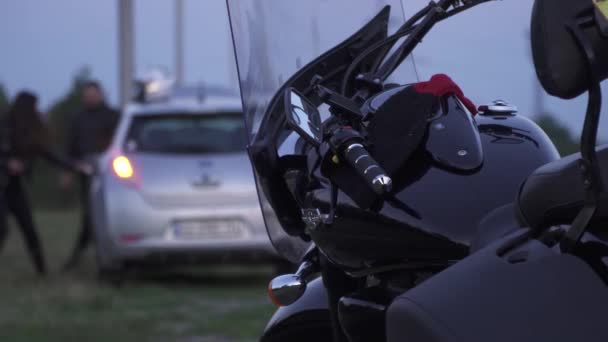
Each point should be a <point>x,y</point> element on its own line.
<point>126,43</point>
<point>179,42</point>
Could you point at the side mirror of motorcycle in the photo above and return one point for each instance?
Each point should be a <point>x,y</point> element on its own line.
<point>303,116</point>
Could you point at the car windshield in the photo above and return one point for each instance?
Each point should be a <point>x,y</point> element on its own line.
<point>273,40</point>
<point>187,133</point>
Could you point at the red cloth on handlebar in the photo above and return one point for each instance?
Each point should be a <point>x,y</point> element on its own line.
<point>442,84</point>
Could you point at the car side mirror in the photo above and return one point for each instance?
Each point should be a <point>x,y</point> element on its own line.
<point>303,117</point>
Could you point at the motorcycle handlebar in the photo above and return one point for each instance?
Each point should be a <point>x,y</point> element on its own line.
<point>357,156</point>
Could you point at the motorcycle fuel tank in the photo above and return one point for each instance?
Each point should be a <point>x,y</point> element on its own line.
<point>455,177</point>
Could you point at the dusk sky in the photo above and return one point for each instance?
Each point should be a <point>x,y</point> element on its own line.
<point>45,42</point>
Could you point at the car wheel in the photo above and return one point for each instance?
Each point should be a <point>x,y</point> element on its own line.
<point>110,275</point>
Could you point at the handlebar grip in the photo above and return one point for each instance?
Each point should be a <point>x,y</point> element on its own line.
<point>358,157</point>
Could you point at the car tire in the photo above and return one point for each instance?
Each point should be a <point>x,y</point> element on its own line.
<point>110,275</point>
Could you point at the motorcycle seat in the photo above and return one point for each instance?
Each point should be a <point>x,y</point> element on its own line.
<point>531,293</point>
<point>554,193</point>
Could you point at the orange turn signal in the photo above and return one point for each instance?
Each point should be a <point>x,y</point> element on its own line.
<point>272,298</point>
<point>286,289</point>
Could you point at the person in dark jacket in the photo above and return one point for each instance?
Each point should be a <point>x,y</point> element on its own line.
<point>24,138</point>
<point>90,133</point>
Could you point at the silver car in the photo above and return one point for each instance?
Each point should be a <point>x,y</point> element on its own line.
<point>176,186</point>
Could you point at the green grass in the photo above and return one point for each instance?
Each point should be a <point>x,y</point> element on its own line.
<point>206,304</point>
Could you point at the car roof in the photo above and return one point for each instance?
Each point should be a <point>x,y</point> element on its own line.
<point>188,102</point>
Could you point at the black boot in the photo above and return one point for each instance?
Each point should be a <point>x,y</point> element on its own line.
<point>72,261</point>
<point>39,263</point>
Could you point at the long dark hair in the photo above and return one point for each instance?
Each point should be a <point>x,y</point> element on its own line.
<point>28,132</point>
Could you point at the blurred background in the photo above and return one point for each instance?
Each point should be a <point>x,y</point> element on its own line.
<point>54,47</point>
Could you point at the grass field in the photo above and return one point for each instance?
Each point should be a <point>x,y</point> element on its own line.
<point>207,304</point>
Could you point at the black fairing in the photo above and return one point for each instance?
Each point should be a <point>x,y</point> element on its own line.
<point>263,149</point>
<point>452,140</point>
<point>436,208</point>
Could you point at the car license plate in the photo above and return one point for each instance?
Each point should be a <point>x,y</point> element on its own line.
<point>213,229</point>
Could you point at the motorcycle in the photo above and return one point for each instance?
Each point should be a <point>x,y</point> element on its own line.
<point>414,215</point>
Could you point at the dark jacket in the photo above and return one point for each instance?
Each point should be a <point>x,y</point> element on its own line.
<point>91,131</point>
<point>8,151</point>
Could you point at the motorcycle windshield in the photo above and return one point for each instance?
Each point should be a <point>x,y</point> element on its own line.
<point>275,39</point>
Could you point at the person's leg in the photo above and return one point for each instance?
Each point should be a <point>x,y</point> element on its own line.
<point>84,239</point>
<point>3,218</point>
<point>84,236</point>
<point>20,207</point>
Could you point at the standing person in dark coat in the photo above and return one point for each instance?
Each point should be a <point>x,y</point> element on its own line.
<point>24,137</point>
<point>90,133</point>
